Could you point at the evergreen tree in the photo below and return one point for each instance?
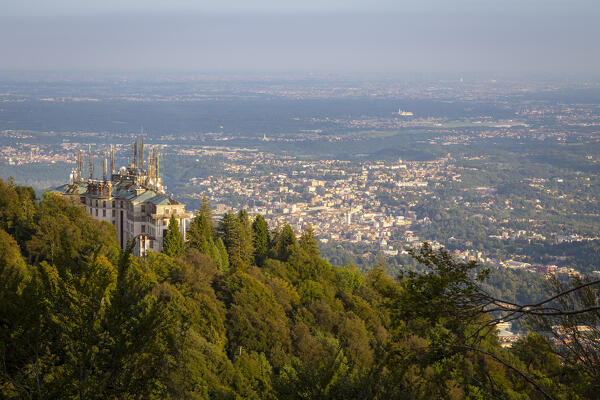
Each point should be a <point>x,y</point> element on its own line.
<point>206,210</point>
<point>285,243</point>
<point>261,239</point>
<point>236,232</point>
<point>221,254</point>
<point>246,237</point>
<point>202,236</point>
<point>308,242</point>
<point>173,242</point>
<point>199,234</point>
<point>230,233</point>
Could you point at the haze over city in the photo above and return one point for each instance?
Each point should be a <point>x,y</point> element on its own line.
<point>460,37</point>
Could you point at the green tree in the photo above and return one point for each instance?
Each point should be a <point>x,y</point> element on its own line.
<point>261,239</point>
<point>246,237</point>
<point>66,237</point>
<point>18,211</point>
<point>236,232</point>
<point>284,243</point>
<point>201,236</point>
<point>173,242</point>
<point>223,257</point>
<point>256,321</point>
<point>308,242</point>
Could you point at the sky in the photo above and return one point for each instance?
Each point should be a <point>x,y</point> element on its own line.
<point>546,37</point>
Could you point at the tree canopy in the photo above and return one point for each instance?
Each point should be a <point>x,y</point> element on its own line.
<point>241,312</point>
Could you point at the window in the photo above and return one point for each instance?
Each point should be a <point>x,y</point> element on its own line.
<point>174,211</point>
<point>114,203</point>
<point>104,204</point>
<point>143,228</point>
<point>143,209</point>
<point>151,244</point>
<point>96,212</point>
<point>113,213</point>
<point>91,211</point>
<point>104,213</point>
<point>96,203</point>
<point>166,210</point>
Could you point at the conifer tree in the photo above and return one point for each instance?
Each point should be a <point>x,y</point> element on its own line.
<point>285,243</point>
<point>173,242</point>
<point>230,233</point>
<point>208,212</point>
<point>246,237</point>
<point>221,253</point>
<point>236,231</point>
<point>202,236</point>
<point>308,242</point>
<point>261,239</point>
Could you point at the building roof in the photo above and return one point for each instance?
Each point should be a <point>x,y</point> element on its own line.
<point>77,188</point>
<point>124,188</point>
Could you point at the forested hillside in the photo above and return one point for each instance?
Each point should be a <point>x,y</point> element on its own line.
<point>239,312</point>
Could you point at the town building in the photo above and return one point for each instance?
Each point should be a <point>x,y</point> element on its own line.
<point>133,199</point>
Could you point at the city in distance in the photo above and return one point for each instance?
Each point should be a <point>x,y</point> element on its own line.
<point>375,168</point>
<point>300,201</point>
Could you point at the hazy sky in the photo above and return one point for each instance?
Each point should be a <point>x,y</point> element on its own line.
<point>525,36</point>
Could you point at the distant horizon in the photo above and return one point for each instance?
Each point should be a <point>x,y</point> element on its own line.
<point>408,77</point>
<point>468,37</point>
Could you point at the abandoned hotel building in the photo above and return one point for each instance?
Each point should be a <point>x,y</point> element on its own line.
<point>133,198</point>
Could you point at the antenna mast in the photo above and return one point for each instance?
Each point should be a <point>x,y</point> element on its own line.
<point>112,160</point>
<point>79,167</point>
<point>104,166</point>
<point>134,164</point>
<point>142,151</point>
<point>91,156</point>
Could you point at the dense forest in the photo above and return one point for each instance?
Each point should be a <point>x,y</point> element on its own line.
<point>241,312</point>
